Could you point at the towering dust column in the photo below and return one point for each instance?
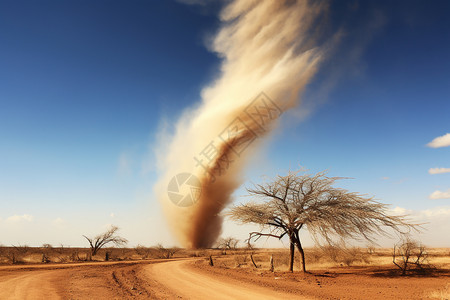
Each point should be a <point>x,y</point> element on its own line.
<point>269,53</point>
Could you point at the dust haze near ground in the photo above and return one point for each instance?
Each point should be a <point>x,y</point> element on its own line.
<point>265,46</point>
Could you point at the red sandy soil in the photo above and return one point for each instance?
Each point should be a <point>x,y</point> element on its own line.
<point>195,279</point>
<point>344,283</point>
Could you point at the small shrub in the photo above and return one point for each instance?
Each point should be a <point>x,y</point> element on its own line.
<point>344,255</point>
<point>240,260</point>
<point>163,252</point>
<point>143,251</point>
<point>409,254</point>
<point>314,255</point>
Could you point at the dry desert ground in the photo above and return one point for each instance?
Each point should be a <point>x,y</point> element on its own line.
<point>142,274</point>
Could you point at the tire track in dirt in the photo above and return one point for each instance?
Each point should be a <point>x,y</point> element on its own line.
<point>72,281</point>
<point>36,285</point>
<point>129,281</point>
<point>158,279</point>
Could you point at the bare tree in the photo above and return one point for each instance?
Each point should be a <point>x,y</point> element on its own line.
<point>98,242</point>
<point>164,252</point>
<point>143,251</point>
<point>17,253</point>
<point>409,253</point>
<point>228,243</point>
<point>298,201</point>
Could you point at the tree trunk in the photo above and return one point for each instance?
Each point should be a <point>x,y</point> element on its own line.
<point>300,249</point>
<point>291,264</point>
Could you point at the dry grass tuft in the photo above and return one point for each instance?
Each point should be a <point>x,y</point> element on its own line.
<point>443,294</point>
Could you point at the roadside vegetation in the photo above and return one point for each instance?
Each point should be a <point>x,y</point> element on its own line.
<point>245,257</point>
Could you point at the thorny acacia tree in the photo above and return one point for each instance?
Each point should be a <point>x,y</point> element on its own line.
<point>298,201</point>
<point>96,243</point>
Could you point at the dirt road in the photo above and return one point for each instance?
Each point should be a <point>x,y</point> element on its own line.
<point>159,279</point>
<point>195,279</point>
<point>182,280</point>
<point>34,285</point>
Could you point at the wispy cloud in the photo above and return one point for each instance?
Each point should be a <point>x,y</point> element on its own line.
<point>58,222</point>
<point>439,170</point>
<point>399,211</point>
<point>440,195</point>
<point>440,141</point>
<point>19,218</point>
<point>125,162</point>
<point>434,221</point>
<point>425,214</point>
<point>401,181</point>
<point>385,178</point>
<point>435,212</point>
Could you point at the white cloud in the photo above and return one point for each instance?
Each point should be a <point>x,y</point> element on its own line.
<point>435,212</point>
<point>440,195</point>
<point>58,221</point>
<point>440,141</point>
<point>435,222</point>
<point>426,214</point>
<point>439,170</point>
<point>399,211</point>
<point>112,215</point>
<point>17,218</point>
<point>423,215</point>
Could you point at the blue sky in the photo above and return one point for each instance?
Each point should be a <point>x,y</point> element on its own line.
<point>85,85</point>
